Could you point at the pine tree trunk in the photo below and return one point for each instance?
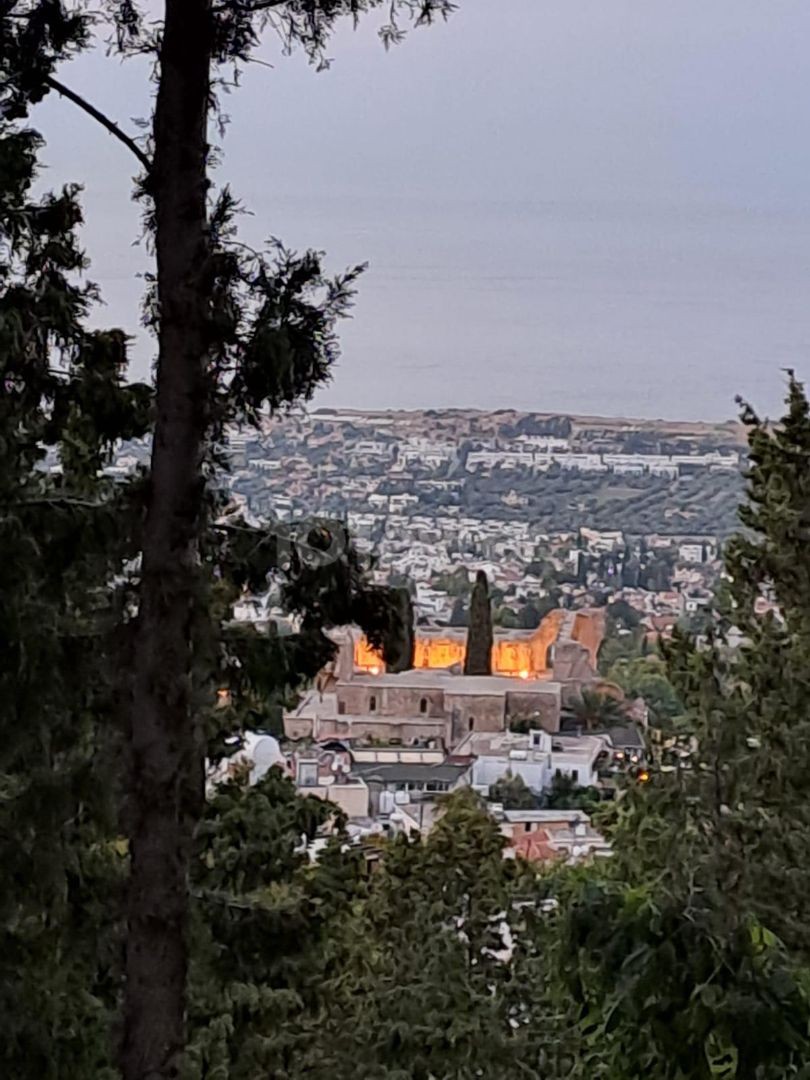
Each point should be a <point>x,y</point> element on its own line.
<point>167,774</point>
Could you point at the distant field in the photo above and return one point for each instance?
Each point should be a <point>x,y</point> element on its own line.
<point>703,503</point>
<point>616,492</point>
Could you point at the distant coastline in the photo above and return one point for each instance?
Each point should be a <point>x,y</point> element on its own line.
<point>730,432</point>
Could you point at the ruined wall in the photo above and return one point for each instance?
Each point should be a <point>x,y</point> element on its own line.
<point>384,729</point>
<point>524,655</point>
<point>589,631</point>
<point>513,658</point>
<point>438,652</point>
<point>543,638</point>
<point>365,658</point>
<point>475,712</point>
<point>525,706</point>
<point>408,701</point>
<point>354,699</point>
<point>521,655</point>
<point>295,728</point>
<point>572,663</point>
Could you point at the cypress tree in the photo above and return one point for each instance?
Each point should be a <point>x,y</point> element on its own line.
<point>402,641</point>
<point>478,658</point>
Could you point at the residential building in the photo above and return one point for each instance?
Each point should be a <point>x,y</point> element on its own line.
<point>541,835</point>
<point>326,774</point>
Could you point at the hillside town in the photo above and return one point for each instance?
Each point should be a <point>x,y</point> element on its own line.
<point>597,538</point>
<point>384,747</point>
<point>558,511</point>
<point>577,594</point>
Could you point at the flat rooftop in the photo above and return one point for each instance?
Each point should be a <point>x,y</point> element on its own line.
<point>387,755</point>
<point>397,772</point>
<point>500,743</point>
<point>437,679</point>
<point>587,747</point>
<point>543,817</point>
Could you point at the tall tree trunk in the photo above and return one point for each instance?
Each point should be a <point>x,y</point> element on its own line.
<point>167,775</point>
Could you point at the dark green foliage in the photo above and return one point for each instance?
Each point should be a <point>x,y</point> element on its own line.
<point>646,677</point>
<point>402,643</point>
<point>35,35</point>
<point>458,616</point>
<point>478,657</point>
<point>625,638</point>
<point>532,614</point>
<point>686,956</point>
<point>455,584</point>
<point>513,793</point>
<point>690,956</point>
<point>564,794</point>
<point>276,319</point>
<point>563,501</point>
<point>419,987</point>
<point>263,916</point>
<point>71,541</point>
<point>623,614</point>
<point>593,710</point>
<point>63,537</point>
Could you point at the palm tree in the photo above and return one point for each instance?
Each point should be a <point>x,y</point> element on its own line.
<point>593,710</point>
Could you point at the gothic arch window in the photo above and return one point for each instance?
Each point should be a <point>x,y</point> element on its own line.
<point>372,703</point>
<point>423,705</point>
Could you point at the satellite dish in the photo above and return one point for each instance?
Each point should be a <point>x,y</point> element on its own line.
<point>266,753</point>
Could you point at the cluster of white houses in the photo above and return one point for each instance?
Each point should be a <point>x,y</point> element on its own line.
<point>382,747</point>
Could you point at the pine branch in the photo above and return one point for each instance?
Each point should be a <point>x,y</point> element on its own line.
<point>99,116</point>
<point>56,501</point>
<point>249,8</point>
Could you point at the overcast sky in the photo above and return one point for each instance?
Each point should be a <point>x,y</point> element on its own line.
<point>596,206</point>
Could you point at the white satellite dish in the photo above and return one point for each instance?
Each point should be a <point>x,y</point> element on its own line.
<point>265,754</point>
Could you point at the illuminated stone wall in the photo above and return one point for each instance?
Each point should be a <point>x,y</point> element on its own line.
<point>434,652</point>
<point>366,658</point>
<point>543,638</point>
<point>589,631</point>
<point>526,656</point>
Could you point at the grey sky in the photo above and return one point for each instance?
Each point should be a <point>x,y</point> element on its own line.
<point>598,206</point>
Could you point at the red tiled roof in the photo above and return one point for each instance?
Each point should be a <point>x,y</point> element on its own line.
<point>535,846</point>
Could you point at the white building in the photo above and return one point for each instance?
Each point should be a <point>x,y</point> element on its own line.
<point>399,502</point>
<point>576,757</point>
<point>581,462</point>
<point>537,758</point>
<point>691,553</point>
<point>602,542</point>
<point>507,754</point>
